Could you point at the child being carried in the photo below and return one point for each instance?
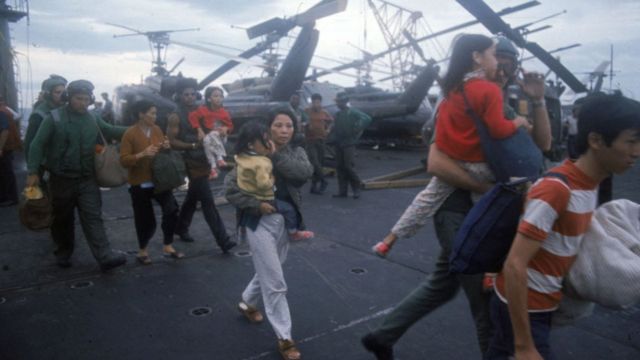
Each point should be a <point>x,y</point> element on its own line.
<point>213,124</point>
<point>255,175</point>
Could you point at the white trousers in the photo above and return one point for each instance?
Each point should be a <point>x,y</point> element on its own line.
<point>269,244</point>
<point>214,147</point>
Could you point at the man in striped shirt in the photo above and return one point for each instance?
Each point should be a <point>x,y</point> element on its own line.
<point>557,214</point>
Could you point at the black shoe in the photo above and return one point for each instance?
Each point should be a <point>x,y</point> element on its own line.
<point>186,237</point>
<point>63,263</point>
<point>113,262</point>
<point>339,195</point>
<point>381,352</point>
<point>230,244</point>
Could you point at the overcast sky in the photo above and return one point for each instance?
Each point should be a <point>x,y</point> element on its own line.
<point>71,38</point>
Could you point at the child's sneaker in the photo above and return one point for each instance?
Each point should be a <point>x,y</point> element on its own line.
<point>222,164</point>
<point>301,235</point>
<point>381,249</point>
<point>213,174</point>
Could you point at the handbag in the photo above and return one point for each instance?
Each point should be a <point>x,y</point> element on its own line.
<point>109,171</point>
<point>168,171</point>
<point>513,156</point>
<point>483,241</point>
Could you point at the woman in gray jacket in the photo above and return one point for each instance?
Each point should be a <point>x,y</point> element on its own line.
<point>264,229</point>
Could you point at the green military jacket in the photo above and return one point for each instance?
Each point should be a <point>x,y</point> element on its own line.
<point>35,120</point>
<point>66,142</point>
<point>348,127</point>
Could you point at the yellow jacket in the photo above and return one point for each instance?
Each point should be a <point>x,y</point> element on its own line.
<point>255,175</point>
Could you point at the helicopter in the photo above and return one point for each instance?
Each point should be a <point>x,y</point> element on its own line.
<point>398,117</point>
<point>160,87</point>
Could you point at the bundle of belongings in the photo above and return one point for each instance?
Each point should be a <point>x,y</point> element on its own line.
<point>607,268</point>
<point>34,209</point>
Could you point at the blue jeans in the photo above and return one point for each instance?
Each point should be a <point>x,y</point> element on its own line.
<point>288,211</point>
<point>501,345</point>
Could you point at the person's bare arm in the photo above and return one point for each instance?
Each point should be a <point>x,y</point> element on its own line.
<point>445,168</point>
<point>533,86</point>
<point>515,274</point>
<point>173,129</point>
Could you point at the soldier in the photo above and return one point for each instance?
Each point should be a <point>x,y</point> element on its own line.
<point>316,134</point>
<point>52,90</point>
<point>68,136</point>
<point>349,125</point>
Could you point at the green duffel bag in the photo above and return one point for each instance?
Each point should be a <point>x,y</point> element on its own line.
<point>168,171</point>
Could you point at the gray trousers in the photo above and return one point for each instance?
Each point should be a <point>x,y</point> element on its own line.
<point>269,244</point>
<point>438,289</point>
<point>345,167</point>
<point>315,153</point>
<point>67,194</point>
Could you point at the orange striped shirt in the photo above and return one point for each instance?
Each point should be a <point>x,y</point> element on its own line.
<point>557,214</point>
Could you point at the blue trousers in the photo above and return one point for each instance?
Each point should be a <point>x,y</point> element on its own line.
<point>501,345</point>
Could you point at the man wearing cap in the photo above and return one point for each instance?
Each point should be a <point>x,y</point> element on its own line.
<point>68,136</point>
<point>52,90</point>
<point>348,127</point>
<point>520,99</point>
<point>183,136</point>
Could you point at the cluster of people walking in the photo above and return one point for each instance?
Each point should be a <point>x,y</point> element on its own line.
<point>512,310</point>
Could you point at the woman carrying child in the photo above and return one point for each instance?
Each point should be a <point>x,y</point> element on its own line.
<point>263,225</point>
<point>213,124</point>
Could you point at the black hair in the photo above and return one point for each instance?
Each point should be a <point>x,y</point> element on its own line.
<point>283,111</point>
<point>462,59</point>
<point>207,94</point>
<point>607,115</point>
<point>141,107</point>
<point>316,96</point>
<point>249,133</point>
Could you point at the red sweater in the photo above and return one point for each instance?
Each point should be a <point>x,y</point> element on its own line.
<point>212,119</point>
<point>456,133</point>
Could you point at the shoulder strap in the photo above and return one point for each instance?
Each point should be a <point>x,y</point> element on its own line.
<point>95,121</point>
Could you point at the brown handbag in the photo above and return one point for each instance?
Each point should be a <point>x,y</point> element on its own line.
<point>109,171</point>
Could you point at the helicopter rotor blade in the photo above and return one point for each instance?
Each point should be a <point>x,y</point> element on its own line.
<point>282,26</point>
<point>218,53</point>
<point>505,11</point>
<point>494,23</point>
<point>176,65</point>
<point>126,28</point>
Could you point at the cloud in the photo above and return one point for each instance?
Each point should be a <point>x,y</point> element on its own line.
<point>73,39</point>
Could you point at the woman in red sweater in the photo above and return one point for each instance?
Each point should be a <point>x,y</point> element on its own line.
<point>472,67</point>
<point>213,124</point>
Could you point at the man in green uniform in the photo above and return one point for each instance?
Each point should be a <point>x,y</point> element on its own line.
<point>66,144</point>
<point>348,127</point>
<point>52,90</point>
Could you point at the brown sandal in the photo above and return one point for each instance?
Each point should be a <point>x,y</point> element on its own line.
<point>252,314</point>
<point>288,350</point>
